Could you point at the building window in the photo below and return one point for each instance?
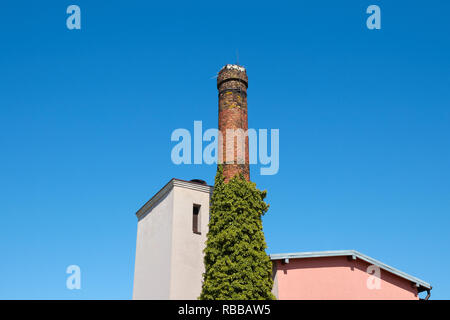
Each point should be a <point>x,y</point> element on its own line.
<point>196,219</point>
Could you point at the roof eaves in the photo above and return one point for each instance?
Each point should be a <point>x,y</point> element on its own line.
<point>422,285</point>
<point>167,188</point>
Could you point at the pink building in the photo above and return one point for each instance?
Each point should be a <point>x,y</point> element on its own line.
<point>341,275</point>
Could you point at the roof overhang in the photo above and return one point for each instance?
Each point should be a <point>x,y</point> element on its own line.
<point>167,188</point>
<point>420,284</point>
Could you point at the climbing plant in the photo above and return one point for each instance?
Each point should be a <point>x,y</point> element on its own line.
<point>236,264</point>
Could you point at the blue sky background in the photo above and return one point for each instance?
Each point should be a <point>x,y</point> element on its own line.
<point>86,118</point>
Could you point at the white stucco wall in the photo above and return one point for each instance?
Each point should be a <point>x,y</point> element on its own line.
<point>187,247</point>
<point>169,255</point>
<point>153,248</point>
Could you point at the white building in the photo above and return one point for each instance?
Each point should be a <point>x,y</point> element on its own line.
<point>171,236</point>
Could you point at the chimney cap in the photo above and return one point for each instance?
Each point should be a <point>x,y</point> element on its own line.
<point>233,66</point>
<point>231,74</point>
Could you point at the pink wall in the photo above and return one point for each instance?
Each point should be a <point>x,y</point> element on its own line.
<point>336,278</point>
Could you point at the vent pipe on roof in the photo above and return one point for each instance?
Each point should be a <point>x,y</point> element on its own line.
<point>199,181</point>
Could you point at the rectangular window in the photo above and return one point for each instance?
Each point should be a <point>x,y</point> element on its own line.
<point>196,219</point>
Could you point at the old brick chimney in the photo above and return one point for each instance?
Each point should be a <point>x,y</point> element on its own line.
<point>232,83</point>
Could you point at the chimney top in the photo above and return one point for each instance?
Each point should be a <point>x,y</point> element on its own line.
<point>235,76</point>
<point>233,66</point>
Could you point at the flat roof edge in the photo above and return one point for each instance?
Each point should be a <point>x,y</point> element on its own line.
<point>167,188</point>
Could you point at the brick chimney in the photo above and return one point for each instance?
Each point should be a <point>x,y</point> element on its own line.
<point>232,83</point>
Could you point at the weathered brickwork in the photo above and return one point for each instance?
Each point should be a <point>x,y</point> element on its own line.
<point>232,83</point>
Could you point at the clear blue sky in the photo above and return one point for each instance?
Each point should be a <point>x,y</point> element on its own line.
<point>86,118</point>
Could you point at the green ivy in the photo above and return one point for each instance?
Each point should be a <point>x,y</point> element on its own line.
<point>236,264</point>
